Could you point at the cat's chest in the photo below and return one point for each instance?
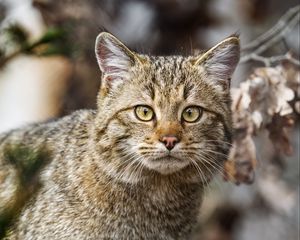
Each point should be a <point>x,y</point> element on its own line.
<point>149,214</point>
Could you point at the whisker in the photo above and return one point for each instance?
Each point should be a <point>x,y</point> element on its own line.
<point>219,141</point>
<point>207,160</point>
<point>215,152</point>
<point>221,168</point>
<point>199,171</point>
<point>206,182</point>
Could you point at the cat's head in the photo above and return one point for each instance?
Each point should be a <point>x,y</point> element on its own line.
<point>164,115</point>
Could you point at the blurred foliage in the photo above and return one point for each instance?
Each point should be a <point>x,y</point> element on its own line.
<point>15,41</point>
<point>28,163</point>
<point>16,34</point>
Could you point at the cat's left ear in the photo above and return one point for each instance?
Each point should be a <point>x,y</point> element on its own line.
<point>220,61</point>
<point>114,58</point>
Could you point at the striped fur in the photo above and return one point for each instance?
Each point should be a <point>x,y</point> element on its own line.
<point>109,176</point>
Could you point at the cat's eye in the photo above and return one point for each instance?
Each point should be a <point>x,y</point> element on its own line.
<point>144,113</point>
<point>192,114</point>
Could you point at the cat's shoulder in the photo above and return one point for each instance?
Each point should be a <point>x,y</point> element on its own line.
<point>79,117</point>
<point>51,127</point>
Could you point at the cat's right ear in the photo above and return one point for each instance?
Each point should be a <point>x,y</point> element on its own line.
<point>114,59</point>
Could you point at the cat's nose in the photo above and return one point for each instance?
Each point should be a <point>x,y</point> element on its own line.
<point>169,141</point>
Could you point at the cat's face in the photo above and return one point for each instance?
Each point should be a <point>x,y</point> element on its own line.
<point>164,114</point>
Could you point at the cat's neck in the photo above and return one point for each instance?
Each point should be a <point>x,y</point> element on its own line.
<point>157,187</point>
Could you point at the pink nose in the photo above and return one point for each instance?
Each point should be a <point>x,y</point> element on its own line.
<point>169,141</point>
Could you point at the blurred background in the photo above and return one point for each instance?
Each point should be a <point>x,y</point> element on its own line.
<point>48,69</point>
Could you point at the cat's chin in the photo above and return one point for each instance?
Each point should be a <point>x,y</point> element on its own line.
<point>165,165</point>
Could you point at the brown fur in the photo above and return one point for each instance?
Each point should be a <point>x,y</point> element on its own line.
<point>110,177</point>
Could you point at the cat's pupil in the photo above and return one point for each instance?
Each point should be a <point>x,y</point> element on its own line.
<point>145,111</point>
<point>189,111</point>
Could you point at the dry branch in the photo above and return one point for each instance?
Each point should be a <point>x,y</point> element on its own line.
<point>253,50</point>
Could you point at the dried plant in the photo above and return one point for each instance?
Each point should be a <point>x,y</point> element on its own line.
<point>269,100</point>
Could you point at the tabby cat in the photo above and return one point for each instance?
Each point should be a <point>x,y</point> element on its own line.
<point>136,167</point>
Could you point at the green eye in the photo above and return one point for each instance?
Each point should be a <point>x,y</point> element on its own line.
<point>144,113</point>
<point>192,114</point>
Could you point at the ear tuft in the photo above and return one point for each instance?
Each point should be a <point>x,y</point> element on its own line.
<point>114,58</point>
<point>220,61</point>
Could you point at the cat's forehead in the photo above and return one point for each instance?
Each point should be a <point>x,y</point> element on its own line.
<point>168,72</point>
<point>167,82</point>
<point>169,66</point>
<point>167,62</point>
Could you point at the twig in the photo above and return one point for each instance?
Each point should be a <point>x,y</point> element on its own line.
<point>271,37</point>
<point>258,46</point>
<point>279,27</point>
<point>268,61</point>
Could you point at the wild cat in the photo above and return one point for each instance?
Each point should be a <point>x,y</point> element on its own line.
<point>136,167</point>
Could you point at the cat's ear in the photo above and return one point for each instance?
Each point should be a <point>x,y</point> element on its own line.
<point>220,61</point>
<point>114,58</point>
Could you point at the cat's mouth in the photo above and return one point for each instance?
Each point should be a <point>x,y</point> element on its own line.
<point>166,164</point>
<point>166,158</point>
